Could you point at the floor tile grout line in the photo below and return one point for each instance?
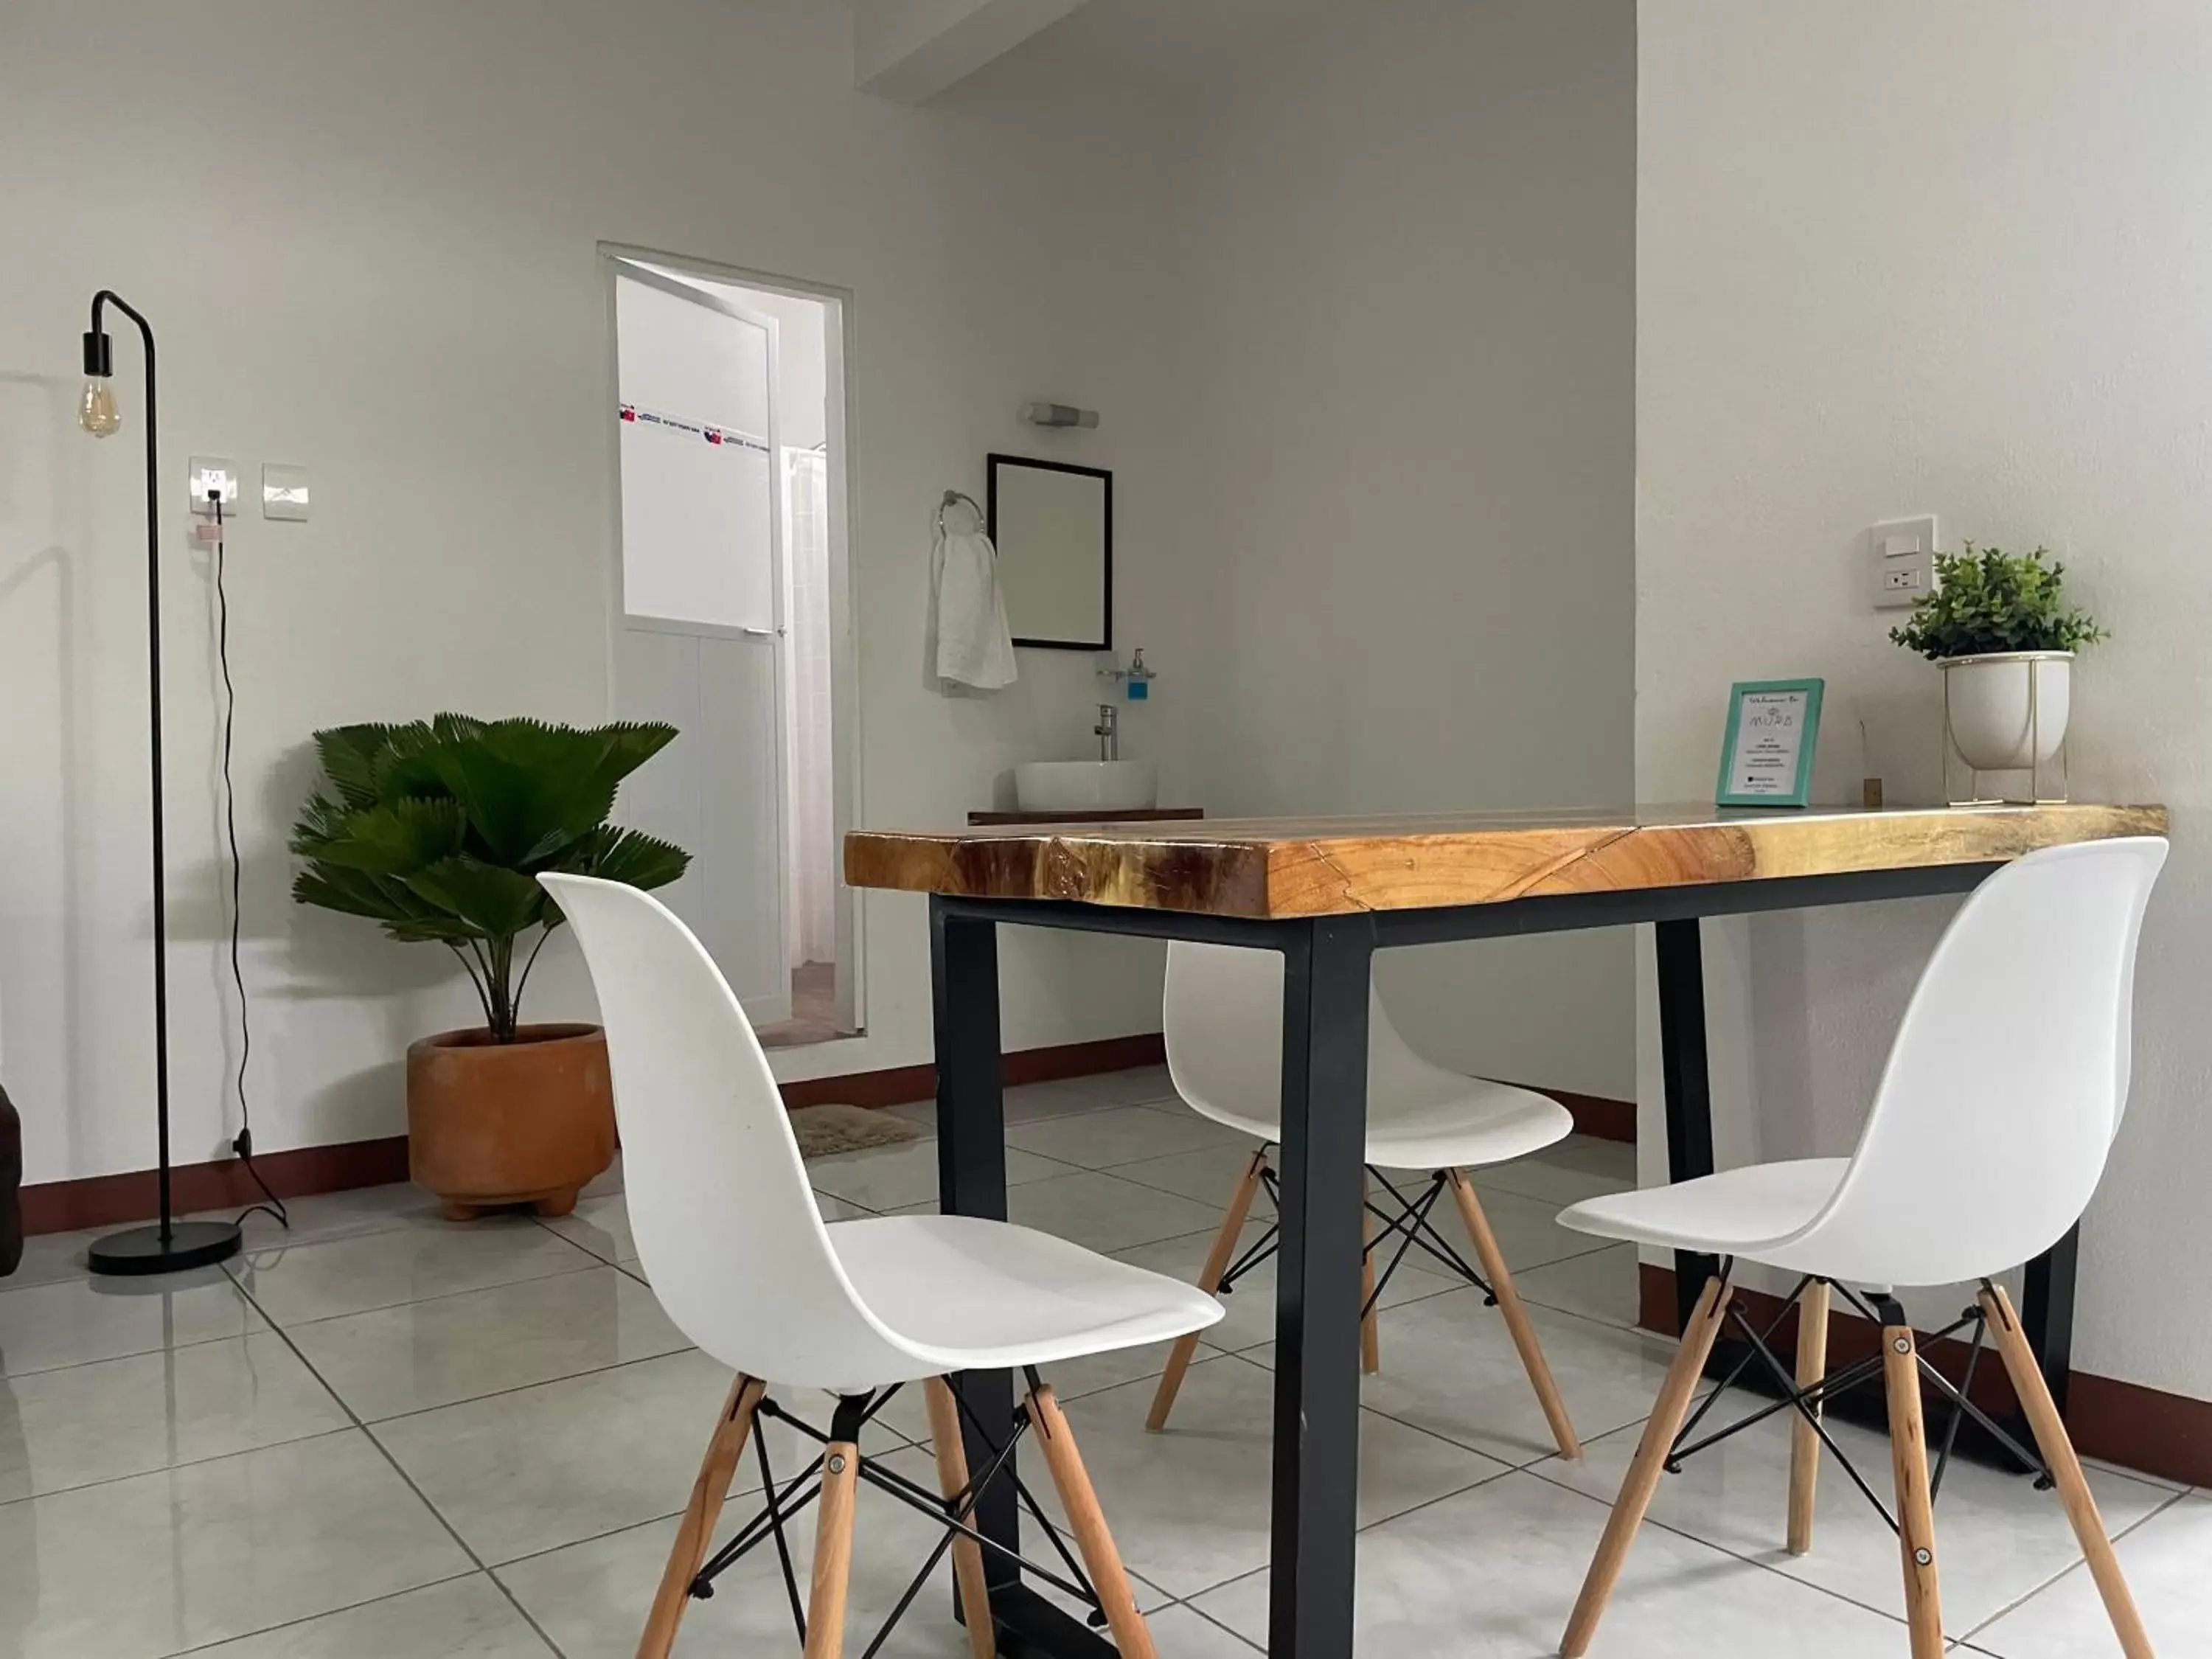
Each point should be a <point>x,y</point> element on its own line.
<point>2078,1564</point>
<point>589,1262</point>
<point>1250,1348</point>
<point>1184,1602</point>
<point>904,1442</point>
<point>546,1222</point>
<point>656,1520</point>
<point>405,1479</point>
<point>2170,1499</point>
<point>592,1538</point>
<point>331,1613</point>
<point>188,1463</point>
<point>1395,1516</point>
<point>281,1241</point>
<point>284,1244</point>
<point>524,1388</point>
<point>136,1353</point>
<point>1534,1470</point>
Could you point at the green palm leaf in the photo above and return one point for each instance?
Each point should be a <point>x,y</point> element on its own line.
<point>348,755</point>
<point>393,840</point>
<point>438,828</point>
<point>496,902</point>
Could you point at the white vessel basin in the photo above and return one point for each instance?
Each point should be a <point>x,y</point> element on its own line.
<point>1086,786</point>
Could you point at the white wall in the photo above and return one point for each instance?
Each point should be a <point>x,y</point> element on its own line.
<point>1411,381</point>
<point>368,235</point>
<point>1899,257</point>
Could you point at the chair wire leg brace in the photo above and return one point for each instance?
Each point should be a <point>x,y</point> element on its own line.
<point>785,1502</point>
<point>1807,1399</point>
<point>1410,1226</point>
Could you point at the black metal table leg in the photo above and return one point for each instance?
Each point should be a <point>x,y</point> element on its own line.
<point>971,1180</point>
<point>1317,1301</point>
<point>1688,1086</point>
<point>971,1164</point>
<point>2046,1313</point>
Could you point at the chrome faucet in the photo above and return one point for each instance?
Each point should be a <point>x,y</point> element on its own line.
<point>1108,732</point>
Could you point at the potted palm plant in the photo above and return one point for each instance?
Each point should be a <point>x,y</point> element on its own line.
<point>1995,620</point>
<point>439,831</point>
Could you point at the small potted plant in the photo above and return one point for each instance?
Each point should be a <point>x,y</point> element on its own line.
<point>439,829</point>
<point>1994,619</point>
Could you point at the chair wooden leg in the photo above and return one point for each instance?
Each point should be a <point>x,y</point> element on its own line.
<point>1516,1316</point>
<point>1644,1470</point>
<point>833,1551</point>
<point>1916,1513</point>
<point>2057,1448</point>
<point>967,1554</point>
<point>1804,1443</point>
<point>1370,1338</point>
<point>1100,1558</point>
<point>719,1468</point>
<point>1209,1280</point>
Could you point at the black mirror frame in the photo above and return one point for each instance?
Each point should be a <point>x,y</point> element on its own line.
<point>992,462</point>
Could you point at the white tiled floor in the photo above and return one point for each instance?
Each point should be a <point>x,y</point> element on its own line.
<point>383,1435</point>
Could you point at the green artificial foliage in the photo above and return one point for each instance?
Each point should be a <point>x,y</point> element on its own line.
<point>1990,600</point>
<point>439,829</point>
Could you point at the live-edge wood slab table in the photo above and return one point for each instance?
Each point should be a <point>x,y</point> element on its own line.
<point>1327,893</point>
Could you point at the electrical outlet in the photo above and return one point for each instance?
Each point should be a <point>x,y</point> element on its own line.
<point>1901,555</point>
<point>218,474</point>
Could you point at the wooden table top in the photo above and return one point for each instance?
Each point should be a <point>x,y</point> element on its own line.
<point>1280,867</point>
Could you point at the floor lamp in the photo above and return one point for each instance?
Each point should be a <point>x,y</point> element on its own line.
<point>169,1245</point>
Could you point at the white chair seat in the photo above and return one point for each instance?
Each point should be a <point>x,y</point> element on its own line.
<point>1984,1143</point>
<point>967,1294</point>
<point>1753,1212</point>
<point>1442,1120</point>
<point>743,1264</point>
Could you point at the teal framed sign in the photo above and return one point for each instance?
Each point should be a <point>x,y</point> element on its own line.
<point>1766,758</point>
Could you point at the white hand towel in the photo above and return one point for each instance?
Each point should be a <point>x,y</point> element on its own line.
<point>974,647</point>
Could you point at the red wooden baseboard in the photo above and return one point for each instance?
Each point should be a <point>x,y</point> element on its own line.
<point>59,1206</point>
<point>2167,1435</point>
<point>1597,1117</point>
<point>904,1083</point>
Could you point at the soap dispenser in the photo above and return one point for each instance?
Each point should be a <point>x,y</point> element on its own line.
<point>1136,679</point>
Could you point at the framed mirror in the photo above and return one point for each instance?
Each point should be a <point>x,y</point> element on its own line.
<point>1053,524</point>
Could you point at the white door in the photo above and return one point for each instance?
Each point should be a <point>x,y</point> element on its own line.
<point>700,640</point>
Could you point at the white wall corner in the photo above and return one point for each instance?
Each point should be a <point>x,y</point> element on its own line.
<point>910,51</point>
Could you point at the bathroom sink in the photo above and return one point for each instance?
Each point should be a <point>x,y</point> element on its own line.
<point>1086,786</point>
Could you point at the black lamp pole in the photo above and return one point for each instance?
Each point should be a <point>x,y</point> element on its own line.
<point>170,1245</point>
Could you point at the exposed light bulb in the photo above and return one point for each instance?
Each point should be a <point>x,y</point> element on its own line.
<point>97,414</point>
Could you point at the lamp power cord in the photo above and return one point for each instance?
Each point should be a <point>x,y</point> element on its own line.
<point>242,1144</point>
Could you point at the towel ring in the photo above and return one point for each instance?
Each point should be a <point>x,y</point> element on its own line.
<point>953,495</point>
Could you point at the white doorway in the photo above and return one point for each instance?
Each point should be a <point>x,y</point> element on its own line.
<point>730,621</point>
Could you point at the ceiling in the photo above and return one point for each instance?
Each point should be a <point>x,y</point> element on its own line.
<point>1176,46</point>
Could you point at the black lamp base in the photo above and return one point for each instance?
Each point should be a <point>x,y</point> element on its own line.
<point>142,1251</point>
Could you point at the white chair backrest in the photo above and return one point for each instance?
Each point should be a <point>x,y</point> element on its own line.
<point>2009,1076</point>
<point>725,1224</point>
<point>1223,1015</point>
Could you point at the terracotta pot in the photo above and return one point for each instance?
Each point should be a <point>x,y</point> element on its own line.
<point>502,1123</point>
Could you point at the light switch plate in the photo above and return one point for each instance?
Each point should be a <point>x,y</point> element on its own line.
<point>218,473</point>
<point>283,491</point>
<point>1901,561</point>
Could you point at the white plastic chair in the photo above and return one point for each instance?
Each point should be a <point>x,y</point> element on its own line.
<point>1987,1137</point>
<point>730,1236</point>
<point>1223,1020</point>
